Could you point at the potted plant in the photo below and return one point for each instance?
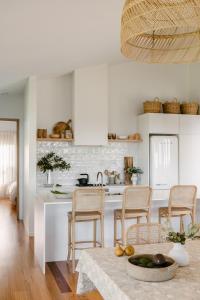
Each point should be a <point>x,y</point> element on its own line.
<point>50,162</point>
<point>136,173</point>
<point>178,252</point>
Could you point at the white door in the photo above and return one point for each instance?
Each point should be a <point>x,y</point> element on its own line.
<point>163,162</point>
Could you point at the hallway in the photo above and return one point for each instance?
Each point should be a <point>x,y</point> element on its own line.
<point>20,277</point>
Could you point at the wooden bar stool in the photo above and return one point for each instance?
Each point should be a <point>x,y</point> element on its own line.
<point>87,206</point>
<point>136,204</point>
<point>140,234</point>
<point>182,202</point>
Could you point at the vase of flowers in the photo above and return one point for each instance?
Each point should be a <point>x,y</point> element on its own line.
<point>136,174</point>
<point>178,252</point>
<point>50,162</point>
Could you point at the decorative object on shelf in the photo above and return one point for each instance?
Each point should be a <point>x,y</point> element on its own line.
<point>135,137</point>
<point>50,162</point>
<point>113,177</point>
<point>135,174</point>
<point>172,107</point>
<point>152,106</point>
<point>128,163</point>
<point>178,252</point>
<point>55,136</point>
<point>68,134</point>
<point>61,127</point>
<point>152,268</point>
<point>41,133</point>
<point>109,136</point>
<point>189,108</point>
<point>122,137</point>
<point>161,31</point>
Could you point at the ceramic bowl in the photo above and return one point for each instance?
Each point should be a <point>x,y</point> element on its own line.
<point>151,274</point>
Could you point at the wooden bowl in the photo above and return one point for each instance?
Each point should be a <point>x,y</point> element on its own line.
<point>151,274</point>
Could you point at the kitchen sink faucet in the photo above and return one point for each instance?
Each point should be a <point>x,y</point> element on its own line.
<point>101,174</point>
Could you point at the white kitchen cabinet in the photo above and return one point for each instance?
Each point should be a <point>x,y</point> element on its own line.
<point>189,124</point>
<point>189,160</point>
<point>90,105</point>
<point>159,123</point>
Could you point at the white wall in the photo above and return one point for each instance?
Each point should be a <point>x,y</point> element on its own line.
<point>131,84</point>
<point>194,77</point>
<point>12,106</point>
<point>54,101</point>
<point>30,125</point>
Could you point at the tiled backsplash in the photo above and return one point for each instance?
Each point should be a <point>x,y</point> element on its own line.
<point>86,159</point>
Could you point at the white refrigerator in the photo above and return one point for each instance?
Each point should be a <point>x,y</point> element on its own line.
<point>163,162</point>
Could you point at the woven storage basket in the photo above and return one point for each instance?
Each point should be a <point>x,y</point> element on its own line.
<point>172,107</point>
<point>190,108</point>
<point>153,106</point>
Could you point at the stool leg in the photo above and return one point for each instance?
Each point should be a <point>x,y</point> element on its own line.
<point>123,232</point>
<point>115,230</point>
<point>149,217</point>
<point>181,224</point>
<point>95,233</point>
<point>193,217</point>
<point>102,230</point>
<point>69,240</point>
<point>73,246</point>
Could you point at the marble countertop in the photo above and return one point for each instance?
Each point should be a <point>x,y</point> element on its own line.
<point>113,194</point>
<point>95,268</point>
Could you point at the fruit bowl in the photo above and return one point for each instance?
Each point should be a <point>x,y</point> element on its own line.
<point>152,268</point>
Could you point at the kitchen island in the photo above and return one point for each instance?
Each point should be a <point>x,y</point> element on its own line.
<point>51,222</point>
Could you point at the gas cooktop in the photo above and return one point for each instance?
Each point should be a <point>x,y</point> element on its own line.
<point>89,185</point>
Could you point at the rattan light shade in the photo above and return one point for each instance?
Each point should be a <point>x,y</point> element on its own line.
<point>161,31</point>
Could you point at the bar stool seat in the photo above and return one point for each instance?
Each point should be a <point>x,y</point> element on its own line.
<point>85,216</point>
<point>131,213</point>
<point>175,211</point>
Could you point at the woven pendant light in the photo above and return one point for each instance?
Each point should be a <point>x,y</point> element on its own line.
<point>161,31</point>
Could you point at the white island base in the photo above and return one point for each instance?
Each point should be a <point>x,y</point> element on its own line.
<point>51,223</point>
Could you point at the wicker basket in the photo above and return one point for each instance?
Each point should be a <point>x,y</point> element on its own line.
<point>153,106</point>
<point>190,108</point>
<point>172,107</point>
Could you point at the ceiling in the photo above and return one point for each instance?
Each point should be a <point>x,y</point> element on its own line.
<point>48,37</point>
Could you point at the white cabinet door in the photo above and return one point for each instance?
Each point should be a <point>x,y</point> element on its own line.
<point>189,124</point>
<point>90,106</point>
<point>163,123</point>
<point>189,163</point>
<point>159,123</point>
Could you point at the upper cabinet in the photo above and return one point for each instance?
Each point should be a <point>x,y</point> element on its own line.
<point>159,123</point>
<point>90,105</point>
<point>189,124</point>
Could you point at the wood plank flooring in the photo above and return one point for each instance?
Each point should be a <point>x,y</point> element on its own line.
<point>20,276</point>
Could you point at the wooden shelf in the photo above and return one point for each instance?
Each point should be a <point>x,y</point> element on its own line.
<point>71,140</point>
<point>54,140</point>
<point>124,140</point>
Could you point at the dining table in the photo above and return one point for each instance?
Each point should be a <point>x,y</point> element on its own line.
<point>101,269</point>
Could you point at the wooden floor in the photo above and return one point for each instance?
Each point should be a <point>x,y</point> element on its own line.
<point>20,276</point>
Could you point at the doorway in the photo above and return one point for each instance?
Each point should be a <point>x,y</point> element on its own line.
<point>9,161</point>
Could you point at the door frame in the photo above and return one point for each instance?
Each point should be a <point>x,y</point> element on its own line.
<point>17,121</point>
